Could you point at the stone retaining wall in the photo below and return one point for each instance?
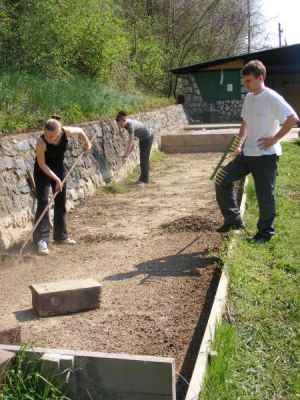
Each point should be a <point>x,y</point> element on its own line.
<point>229,110</point>
<point>188,87</point>
<point>103,163</point>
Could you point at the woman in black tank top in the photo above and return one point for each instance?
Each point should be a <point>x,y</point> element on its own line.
<point>49,171</point>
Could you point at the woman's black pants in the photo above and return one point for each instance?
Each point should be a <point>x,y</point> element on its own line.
<point>43,183</point>
<point>145,150</point>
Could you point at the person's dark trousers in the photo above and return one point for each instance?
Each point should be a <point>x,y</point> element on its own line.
<point>145,150</point>
<point>43,184</point>
<point>264,172</point>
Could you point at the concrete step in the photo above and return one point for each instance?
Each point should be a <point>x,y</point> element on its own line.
<point>195,143</point>
<point>211,126</point>
<point>212,140</point>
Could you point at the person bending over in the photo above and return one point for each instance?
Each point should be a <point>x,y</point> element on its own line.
<point>139,130</point>
<point>49,171</point>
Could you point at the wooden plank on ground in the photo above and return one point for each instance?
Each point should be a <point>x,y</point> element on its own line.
<point>6,358</point>
<point>119,376</point>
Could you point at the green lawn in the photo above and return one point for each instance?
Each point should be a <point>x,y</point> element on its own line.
<point>258,342</point>
<point>26,101</point>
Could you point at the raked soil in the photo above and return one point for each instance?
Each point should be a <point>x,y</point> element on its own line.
<point>153,250</point>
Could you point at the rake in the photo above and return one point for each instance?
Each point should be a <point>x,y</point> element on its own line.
<point>219,173</point>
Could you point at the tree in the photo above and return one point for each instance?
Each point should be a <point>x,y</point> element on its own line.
<point>52,37</point>
<point>123,42</point>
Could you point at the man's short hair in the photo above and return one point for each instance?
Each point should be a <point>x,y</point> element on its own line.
<point>254,67</point>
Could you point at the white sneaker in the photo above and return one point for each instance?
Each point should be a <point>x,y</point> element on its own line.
<point>142,184</point>
<point>42,248</point>
<point>68,241</point>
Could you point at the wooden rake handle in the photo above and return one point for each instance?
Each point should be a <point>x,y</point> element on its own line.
<point>55,194</point>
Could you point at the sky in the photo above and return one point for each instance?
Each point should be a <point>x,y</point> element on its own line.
<point>287,12</point>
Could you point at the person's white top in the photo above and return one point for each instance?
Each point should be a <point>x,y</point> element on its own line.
<point>263,113</point>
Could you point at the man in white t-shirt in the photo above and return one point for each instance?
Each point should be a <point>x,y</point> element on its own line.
<point>263,112</point>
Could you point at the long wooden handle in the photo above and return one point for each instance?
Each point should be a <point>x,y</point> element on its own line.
<point>54,195</point>
<point>30,181</point>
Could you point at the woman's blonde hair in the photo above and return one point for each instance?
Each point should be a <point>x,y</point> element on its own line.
<point>53,124</point>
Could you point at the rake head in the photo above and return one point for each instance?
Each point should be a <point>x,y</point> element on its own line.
<point>235,143</point>
<point>219,173</point>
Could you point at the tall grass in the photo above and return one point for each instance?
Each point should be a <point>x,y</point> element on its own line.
<point>27,100</point>
<point>258,348</point>
<point>24,380</point>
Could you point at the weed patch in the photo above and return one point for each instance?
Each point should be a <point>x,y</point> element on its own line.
<point>27,100</point>
<point>24,380</point>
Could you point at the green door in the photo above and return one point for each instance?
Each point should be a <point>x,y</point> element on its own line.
<point>219,85</point>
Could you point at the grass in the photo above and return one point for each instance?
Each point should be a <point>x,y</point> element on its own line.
<point>257,348</point>
<point>24,380</point>
<point>157,158</point>
<point>115,188</point>
<point>26,101</point>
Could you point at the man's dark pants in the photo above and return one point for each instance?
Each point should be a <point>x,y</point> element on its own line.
<point>145,150</point>
<point>264,172</point>
<point>43,183</point>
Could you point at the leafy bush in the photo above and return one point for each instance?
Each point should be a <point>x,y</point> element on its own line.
<point>51,37</point>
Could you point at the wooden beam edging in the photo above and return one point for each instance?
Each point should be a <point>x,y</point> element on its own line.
<point>198,375</point>
<point>197,380</point>
<point>112,375</point>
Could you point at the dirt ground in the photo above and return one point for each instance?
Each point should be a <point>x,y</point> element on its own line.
<point>152,249</point>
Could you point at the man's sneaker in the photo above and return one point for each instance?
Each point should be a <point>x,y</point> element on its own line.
<point>68,241</point>
<point>42,248</point>
<point>228,227</point>
<point>259,239</point>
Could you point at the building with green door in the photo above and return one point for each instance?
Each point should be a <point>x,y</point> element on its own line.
<point>213,91</point>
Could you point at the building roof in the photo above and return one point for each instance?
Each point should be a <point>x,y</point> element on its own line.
<point>288,56</point>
